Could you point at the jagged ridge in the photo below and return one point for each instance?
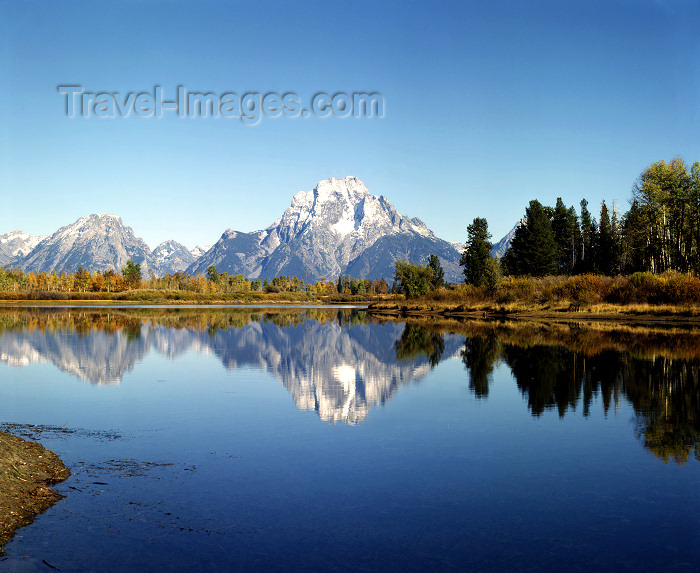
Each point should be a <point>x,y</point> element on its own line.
<point>335,229</point>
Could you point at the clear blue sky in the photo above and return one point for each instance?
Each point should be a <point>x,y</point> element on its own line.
<point>488,104</point>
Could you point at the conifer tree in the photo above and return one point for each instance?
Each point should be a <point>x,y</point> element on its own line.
<point>589,240</point>
<point>438,278</point>
<point>564,227</point>
<point>605,255</point>
<point>533,250</point>
<point>132,274</point>
<point>476,255</point>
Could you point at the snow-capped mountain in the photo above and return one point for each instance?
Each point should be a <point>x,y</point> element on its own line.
<point>170,257</point>
<point>15,245</point>
<point>335,229</point>
<point>199,251</point>
<point>96,242</point>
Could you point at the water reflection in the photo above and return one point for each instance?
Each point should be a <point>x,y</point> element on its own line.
<point>658,372</point>
<point>417,341</point>
<point>341,363</point>
<point>336,362</point>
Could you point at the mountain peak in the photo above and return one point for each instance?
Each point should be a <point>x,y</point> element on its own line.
<point>100,217</point>
<point>349,187</point>
<point>97,242</point>
<point>336,228</point>
<point>16,244</point>
<point>170,257</point>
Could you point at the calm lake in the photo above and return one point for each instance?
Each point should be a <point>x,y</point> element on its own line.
<point>320,439</point>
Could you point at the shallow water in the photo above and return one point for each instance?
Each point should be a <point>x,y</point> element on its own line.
<point>316,439</point>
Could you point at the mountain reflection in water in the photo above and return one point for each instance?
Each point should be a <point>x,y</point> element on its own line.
<point>335,362</point>
<point>341,363</point>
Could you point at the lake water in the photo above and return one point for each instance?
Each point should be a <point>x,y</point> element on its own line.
<point>322,440</point>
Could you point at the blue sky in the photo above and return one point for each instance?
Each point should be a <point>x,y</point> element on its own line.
<point>488,105</point>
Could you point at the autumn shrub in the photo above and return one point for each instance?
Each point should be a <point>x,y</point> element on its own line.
<point>476,293</point>
<point>450,293</point>
<point>648,287</point>
<point>513,289</point>
<point>11,295</point>
<point>504,296</point>
<point>622,291</point>
<point>47,295</point>
<point>677,288</point>
<point>86,296</point>
<point>586,289</point>
<point>548,289</point>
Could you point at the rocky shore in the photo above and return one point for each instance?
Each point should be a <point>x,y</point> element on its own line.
<point>27,469</point>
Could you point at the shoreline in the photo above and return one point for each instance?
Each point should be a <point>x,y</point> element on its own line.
<point>27,469</point>
<point>352,301</point>
<point>395,307</point>
<point>618,314</point>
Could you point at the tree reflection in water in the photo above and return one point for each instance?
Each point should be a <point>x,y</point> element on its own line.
<point>417,341</point>
<point>661,379</point>
<point>556,367</point>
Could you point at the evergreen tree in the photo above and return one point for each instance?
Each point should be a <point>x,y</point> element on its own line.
<point>476,255</point>
<point>608,252</point>
<point>438,278</point>
<point>212,274</point>
<point>132,274</point>
<point>564,227</point>
<point>575,239</point>
<point>589,240</point>
<point>617,239</point>
<point>533,250</point>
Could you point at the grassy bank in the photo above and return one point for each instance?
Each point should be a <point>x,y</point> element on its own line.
<point>642,294</point>
<point>144,296</point>
<point>26,471</point>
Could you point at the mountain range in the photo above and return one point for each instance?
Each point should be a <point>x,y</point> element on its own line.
<point>15,245</point>
<point>338,228</point>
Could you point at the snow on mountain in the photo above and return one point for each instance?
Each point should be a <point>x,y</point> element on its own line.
<point>336,229</point>
<point>327,232</point>
<point>95,242</point>
<point>170,257</point>
<point>15,245</point>
<point>199,251</point>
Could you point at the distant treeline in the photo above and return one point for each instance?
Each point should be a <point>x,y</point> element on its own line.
<point>109,281</point>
